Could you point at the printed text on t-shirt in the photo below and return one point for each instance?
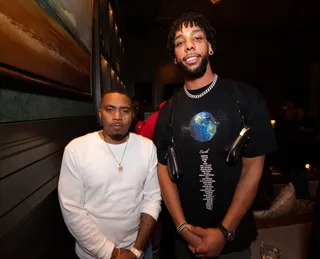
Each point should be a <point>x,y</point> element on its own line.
<point>207,180</point>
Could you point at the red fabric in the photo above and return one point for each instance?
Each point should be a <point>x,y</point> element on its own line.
<point>148,128</point>
<point>139,127</point>
<point>162,104</point>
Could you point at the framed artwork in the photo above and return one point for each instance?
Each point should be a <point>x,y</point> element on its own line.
<point>48,41</point>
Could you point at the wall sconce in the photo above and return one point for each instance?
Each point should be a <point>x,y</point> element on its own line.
<point>307,167</point>
<point>110,14</point>
<point>273,123</point>
<point>104,61</point>
<point>215,1</point>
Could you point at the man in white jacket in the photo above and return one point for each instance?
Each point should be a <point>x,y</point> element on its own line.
<point>108,188</point>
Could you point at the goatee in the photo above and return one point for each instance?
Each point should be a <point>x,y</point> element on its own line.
<point>197,72</point>
<point>118,137</point>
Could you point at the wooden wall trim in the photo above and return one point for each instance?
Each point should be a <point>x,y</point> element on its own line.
<point>26,181</point>
<point>15,217</point>
<point>25,143</point>
<point>36,151</point>
<point>30,160</point>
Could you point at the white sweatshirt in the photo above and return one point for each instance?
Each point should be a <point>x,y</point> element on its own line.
<point>100,205</point>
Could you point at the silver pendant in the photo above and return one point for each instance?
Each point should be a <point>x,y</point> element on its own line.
<point>120,168</point>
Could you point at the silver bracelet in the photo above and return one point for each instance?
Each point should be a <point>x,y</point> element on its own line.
<point>181,227</point>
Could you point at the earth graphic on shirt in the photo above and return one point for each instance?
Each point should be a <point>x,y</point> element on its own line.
<point>203,126</point>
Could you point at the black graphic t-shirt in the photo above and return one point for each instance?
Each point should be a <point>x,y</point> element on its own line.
<point>202,129</point>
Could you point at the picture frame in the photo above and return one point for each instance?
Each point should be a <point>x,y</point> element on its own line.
<point>48,43</point>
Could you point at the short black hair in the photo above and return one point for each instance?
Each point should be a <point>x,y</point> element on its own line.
<point>119,90</point>
<point>191,19</point>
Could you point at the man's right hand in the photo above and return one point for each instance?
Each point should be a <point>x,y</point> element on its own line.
<point>115,253</point>
<point>121,253</point>
<point>191,238</point>
<point>125,254</point>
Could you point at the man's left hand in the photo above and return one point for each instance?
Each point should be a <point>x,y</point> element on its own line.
<point>125,254</point>
<point>213,242</point>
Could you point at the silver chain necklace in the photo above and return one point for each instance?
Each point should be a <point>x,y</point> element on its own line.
<point>120,167</point>
<point>197,96</point>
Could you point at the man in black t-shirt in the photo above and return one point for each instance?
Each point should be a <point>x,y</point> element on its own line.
<point>211,204</point>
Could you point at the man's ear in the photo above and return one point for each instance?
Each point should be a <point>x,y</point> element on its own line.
<point>211,52</point>
<point>99,113</point>
<point>175,61</point>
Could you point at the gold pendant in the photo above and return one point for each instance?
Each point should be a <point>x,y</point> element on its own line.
<point>120,168</point>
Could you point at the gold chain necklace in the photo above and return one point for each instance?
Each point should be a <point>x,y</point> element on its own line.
<point>120,167</point>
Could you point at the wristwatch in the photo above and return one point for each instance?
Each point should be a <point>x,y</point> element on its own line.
<point>228,235</point>
<point>139,254</point>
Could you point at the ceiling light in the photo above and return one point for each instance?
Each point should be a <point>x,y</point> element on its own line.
<point>215,1</point>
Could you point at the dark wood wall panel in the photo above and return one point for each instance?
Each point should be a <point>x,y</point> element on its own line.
<point>30,160</point>
<point>42,235</point>
<point>25,156</point>
<point>12,219</point>
<point>24,143</point>
<point>28,180</point>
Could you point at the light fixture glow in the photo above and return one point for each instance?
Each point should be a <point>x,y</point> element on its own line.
<point>110,9</point>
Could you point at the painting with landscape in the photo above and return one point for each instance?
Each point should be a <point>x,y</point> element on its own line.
<point>49,40</point>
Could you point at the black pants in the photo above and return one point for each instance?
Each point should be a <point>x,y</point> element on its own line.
<point>168,232</point>
<point>183,252</point>
<point>172,246</point>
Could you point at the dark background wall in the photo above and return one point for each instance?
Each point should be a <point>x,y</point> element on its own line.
<point>272,45</point>
<point>271,60</point>
<point>31,225</point>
